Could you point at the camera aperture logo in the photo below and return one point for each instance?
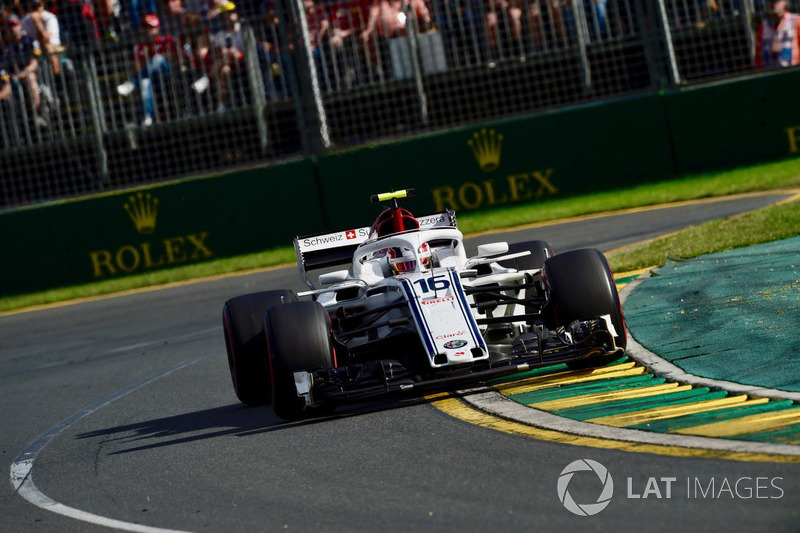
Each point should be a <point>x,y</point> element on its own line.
<point>585,509</point>
<point>661,487</point>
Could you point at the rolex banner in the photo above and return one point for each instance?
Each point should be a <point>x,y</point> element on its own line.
<point>493,166</point>
<point>136,232</point>
<point>497,165</point>
<point>524,160</point>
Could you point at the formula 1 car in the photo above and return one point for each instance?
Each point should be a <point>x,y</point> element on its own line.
<point>413,312</point>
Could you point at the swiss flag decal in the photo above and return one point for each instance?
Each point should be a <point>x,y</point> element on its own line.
<point>350,234</point>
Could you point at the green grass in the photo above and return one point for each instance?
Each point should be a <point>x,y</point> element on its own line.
<point>782,174</point>
<point>761,226</point>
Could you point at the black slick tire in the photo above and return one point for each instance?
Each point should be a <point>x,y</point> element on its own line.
<point>299,337</point>
<point>582,286</point>
<point>242,321</point>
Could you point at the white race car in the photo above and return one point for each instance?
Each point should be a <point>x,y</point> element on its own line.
<point>413,312</point>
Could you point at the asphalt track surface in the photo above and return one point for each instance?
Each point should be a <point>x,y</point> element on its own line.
<point>125,407</point>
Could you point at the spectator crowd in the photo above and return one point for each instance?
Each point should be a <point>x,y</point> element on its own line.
<point>203,44</point>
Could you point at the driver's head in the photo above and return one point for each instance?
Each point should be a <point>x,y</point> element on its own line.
<point>402,260</point>
<point>394,221</point>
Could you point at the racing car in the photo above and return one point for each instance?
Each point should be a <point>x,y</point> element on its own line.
<point>413,312</point>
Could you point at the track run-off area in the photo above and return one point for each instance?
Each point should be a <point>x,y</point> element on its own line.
<point>121,410</point>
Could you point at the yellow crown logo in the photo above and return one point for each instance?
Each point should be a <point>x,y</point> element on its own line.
<point>486,147</point>
<point>143,210</point>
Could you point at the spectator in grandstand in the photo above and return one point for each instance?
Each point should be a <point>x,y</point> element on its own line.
<point>196,63</point>
<point>42,25</point>
<point>171,15</point>
<point>78,22</point>
<point>461,24</point>
<point>196,50</point>
<point>196,6</point>
<point>547,20</point>
<point>108,18</point>
<point>212,14</point>
<point>20,58</point>
<point>137,10</point>
<point>151,61</point>
<point>318,29</point>
<point>777,42</point>
<point>387,20</point>
<point>269,28</point>
<point>504,18</point>
<point>270,56</point>
<point>335,65</point>
<point>597,14</point>
<point>228,53</point>
<point>195,41</point>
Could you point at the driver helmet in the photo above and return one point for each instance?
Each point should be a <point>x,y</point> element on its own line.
<point>384,224</point>
<point>402,260</point>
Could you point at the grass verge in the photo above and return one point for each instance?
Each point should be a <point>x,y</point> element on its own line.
<point>763,225</point>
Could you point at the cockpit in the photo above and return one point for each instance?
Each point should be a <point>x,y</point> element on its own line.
<point>406,254</point>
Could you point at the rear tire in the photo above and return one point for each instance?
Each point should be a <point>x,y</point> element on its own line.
<point>540,251</point>
<point>299,336</point>
<point>242,321</point>
<point>582,286</point>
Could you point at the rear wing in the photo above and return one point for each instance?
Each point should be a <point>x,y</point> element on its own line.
<point>324,250</point>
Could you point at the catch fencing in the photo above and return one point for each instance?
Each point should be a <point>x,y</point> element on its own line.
<point>315,77</point>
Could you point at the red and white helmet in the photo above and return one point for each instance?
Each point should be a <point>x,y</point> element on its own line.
<point>394,221</point>
<point>403,260</point>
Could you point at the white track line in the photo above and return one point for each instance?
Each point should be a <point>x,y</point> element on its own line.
<point>22,479</point>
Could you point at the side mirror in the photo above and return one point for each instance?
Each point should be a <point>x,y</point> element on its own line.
<point>337,276</point>
<point>494,248</point>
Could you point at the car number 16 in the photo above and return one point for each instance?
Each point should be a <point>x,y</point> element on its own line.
<point>432,284</point>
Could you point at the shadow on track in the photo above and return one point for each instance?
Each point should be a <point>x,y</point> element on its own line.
<point>235,419</point>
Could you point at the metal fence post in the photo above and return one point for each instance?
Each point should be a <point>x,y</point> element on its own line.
<point>256,87</point>
<point>747,11</point>
<point>310,94</point>
<point>96,111</point>
<point>413,43</point>
<point>581,32</point>
<point>670,49</point>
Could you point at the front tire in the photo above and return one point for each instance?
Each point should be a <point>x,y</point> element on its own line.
<point>581,287</point>
<point>242,320</point>
<point>299,336</point>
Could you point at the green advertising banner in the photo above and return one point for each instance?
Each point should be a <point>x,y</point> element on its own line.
<point>736,123</point>
<point>523,160</point>
<point>159,227</point>
<point>597,147</point>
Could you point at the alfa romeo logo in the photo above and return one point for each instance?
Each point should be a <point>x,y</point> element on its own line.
<point>585,509</point>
